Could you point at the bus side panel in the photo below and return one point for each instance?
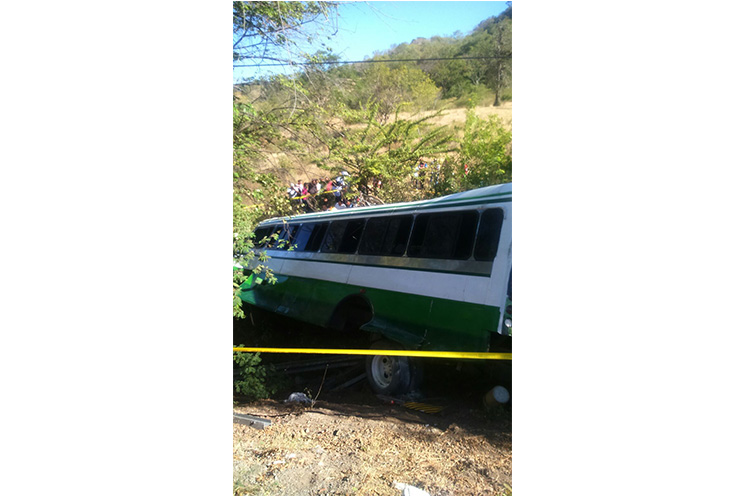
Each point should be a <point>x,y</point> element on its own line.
<point>308,300</point>
<point>314,291</point>
<point>400,317</point>
<point>420,282</point>
<point>415,321</point>
<point>461,326</point>
<point>331,272</point>
<point>430,310</point>
<point>427,323</point>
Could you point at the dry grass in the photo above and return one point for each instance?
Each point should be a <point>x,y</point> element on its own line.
<point>456,116</point>
<point>337,449</point>
<point>289,170</point>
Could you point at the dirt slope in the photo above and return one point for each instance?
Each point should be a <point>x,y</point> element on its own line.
<point>340,448</point>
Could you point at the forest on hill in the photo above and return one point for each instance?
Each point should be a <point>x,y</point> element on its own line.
<point>459,70</point>
<point>378,121</point>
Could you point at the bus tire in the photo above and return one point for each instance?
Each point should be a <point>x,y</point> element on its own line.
<point>391,375</point>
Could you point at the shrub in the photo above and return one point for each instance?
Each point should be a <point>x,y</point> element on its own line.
<point>252,377</point>
<point>485,152</point>
<point>475,96</point>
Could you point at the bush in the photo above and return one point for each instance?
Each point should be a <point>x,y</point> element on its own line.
<point>485,152</point>
<point>251,382</point>
<point>475,96</point>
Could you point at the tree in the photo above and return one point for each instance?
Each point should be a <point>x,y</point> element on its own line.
<point>389,151</point>
<point>263,32</point>
<point>390,85</point>
<point>275,31</point>
<point>493,38</point>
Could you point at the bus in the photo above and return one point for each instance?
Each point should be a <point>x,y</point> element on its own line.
<point>423,275</point>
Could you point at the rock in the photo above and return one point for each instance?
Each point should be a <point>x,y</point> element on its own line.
<point>301,398</point>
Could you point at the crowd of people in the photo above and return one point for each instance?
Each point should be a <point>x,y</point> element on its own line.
<point>320,195</point>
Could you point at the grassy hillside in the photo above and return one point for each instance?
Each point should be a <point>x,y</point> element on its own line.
<point>279,165</point>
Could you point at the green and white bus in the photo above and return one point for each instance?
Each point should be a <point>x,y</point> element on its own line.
<point>425,275</point>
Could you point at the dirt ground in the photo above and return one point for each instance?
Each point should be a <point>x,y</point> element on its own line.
<point>355,443</point>
<point>351,441</point>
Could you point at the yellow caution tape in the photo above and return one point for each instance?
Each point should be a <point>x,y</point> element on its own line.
<point>406,353</point>
<point>316,194</point>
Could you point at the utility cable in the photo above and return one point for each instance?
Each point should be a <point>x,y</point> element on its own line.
<point>292,63</point>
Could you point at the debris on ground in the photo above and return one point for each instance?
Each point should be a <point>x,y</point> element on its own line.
<point>409,490</point>
<point>301,398</point>
<point>250,420</point>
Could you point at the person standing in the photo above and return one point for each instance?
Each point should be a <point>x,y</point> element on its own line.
<point>298,187</point>
<point>313,188</point>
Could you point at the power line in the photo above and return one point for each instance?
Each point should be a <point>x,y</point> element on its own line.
<point>289,62</point>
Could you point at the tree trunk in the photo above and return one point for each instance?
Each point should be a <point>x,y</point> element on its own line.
<point>496,101</point>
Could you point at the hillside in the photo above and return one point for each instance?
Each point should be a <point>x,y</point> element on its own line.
<point>378,121</point>
<point>288,171</point>
<point>456,116</point>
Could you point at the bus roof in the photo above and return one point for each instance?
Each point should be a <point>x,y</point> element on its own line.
<point>473,197</point>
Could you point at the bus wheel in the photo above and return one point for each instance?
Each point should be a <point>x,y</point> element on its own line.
<point>391,374</point>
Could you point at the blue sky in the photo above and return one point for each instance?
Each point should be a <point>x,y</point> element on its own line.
<point>366,27</point>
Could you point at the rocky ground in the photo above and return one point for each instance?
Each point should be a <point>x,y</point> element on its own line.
<point>356,443</point>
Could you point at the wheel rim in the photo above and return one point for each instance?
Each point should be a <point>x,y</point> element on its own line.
<point>382,369</point>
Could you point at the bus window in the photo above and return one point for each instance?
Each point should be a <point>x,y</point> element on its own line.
<point>319,230</point>
<point>343,236</point>
<point>447,235</point>
<point>385,236</point>
<point>260,234</point>
<point>271,242</point>
<point>373,236</point>
<point>489,232</point>
<point>288,235</point>
<point>333,238</point>
<point>303,236</point>
<point>401,227</point>
<point>352,233</point>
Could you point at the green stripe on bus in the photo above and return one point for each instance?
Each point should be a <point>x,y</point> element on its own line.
<point>417,321</point>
